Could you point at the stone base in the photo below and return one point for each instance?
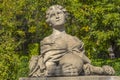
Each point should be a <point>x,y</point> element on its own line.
<point>75,78</point>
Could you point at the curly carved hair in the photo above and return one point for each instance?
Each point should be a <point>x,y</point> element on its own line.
<point>50,9</point>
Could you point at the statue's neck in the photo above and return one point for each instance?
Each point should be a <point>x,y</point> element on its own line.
<point>58,32</point>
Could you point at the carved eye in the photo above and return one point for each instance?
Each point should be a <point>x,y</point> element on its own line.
<point>52,15</point>
<point>59,12</point>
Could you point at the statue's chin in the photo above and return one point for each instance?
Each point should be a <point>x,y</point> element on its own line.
<point>58,24</point>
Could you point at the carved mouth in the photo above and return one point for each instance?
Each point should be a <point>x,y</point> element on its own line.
<point>57,20</point>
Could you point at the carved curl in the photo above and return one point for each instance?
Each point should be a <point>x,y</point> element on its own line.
<point>48,12</point>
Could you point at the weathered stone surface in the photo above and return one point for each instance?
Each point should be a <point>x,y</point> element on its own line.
<point>75,78</point>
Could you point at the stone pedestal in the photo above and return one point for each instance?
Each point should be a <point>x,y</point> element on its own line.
<point>75,78</point>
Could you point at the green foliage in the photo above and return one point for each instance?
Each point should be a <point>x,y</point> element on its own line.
<point>8,67</point>
<point>23,69</point>
<point>33,49</point>
<point>8,57</point>
<point>23,26</point>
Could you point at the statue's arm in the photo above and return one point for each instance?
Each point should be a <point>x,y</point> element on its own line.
<point>79,49</point>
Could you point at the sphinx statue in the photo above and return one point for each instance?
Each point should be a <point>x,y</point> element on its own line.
<point>61,53</point>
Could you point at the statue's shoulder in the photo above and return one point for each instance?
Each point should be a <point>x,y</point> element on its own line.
<point>46,40</point>
<point>73,37</point>
<point>77,39</point>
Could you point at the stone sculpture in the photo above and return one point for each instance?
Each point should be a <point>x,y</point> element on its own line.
<point>61,53</point>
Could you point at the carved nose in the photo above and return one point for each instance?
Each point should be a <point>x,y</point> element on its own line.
<point>57,17</point>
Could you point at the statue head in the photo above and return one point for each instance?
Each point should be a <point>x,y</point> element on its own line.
<point>56,15</point>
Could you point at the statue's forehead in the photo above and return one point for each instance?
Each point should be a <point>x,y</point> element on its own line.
<point>54,9</point>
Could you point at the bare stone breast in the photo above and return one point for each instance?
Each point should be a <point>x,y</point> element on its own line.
<point>72,59</point>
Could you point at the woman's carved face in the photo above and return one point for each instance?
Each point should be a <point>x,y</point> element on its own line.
<point>57,17</point>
